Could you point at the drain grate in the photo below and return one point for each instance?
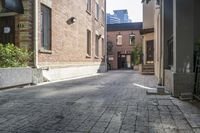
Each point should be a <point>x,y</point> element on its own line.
<point>59,117</point>
<point>70,103</point>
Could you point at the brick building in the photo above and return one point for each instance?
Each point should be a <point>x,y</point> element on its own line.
<point>66,37</point>
<point>122,39</point>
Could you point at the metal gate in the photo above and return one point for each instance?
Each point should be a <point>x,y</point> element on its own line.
<point>197,75</point>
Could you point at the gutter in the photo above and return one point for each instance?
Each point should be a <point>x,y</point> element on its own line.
<point>36,11</point>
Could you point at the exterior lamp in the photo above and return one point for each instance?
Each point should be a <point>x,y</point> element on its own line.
<point>71,20</point>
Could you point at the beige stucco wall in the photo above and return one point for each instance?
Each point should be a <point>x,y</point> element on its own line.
<point>146,37</point>
<point>157,45</point>
<point>148,14</point>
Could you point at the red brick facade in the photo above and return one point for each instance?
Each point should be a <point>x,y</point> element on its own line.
<point>69,41</point>
<point>125,48</point>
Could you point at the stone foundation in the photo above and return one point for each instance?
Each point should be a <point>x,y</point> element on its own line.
<point>178,83</point>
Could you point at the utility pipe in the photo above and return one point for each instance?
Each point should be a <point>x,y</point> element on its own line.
<point>36,11</point>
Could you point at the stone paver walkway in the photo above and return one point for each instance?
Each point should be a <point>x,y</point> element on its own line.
<point>115,102</point>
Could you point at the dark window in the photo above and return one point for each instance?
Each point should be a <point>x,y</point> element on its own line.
<point>103,48</point>
<point>46,27</point>
<point>97,11</point>
<point>89,42</point>
<point>89,7</point>
<point>103,17</point>
<point>97,45</point>
<point>132,39</point>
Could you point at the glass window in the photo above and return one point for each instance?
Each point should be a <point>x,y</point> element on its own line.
<point>89,7</point>
<point>119,39</point>
<point>97,11</point>
<point>103,17</point>
<point>89,42</point>
<point>97,45</point>
<point>132,39</point>
<point>46,27</point>
<point>103,47</point>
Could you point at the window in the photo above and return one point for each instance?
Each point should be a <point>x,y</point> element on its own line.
<point>46,27</point>
<point>89,7</point>
<point>103,47</point>
<point>103,17</point>
<point>97,45</point>
<point>132,39</point>
<point>89,42</point>
<point>119,39</point>
<point>97,11</point>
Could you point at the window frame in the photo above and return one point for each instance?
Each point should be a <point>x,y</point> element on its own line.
<point>130,41</point>
<point>89,43</point>
<point>97,45</point>
<point>97,8</point>
<point>89,6</point>
<point>103,47</point>
<point>117,40</point>
<point>44,8</point>
<point>103,16</point>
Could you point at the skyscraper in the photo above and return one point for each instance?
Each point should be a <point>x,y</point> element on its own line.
<point>119,16</point>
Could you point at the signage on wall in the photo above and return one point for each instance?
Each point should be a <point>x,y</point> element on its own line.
<point>110,58</point>
<point>20,26</point>
<point>6,30</point>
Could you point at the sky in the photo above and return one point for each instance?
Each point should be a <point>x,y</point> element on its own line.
<point>134,8</point>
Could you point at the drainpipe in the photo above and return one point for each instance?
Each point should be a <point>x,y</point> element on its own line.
<point>105,36</point>
<point>36,33</point>
<point>160,82</point>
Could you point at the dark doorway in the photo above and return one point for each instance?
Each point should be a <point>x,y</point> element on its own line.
<point>124,61</point>
<point>150,51</point>
<point>7,30</point>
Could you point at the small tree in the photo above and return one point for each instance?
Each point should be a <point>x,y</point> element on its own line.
<point>109,47</point>
<point>137,54</point>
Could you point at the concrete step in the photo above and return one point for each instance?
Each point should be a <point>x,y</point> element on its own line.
<point>148,73</point>
<point>186,96</point>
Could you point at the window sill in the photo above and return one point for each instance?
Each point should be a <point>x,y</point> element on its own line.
<point>102,57</point>
<point>88,56</point>
<point>44,51</point>
<point>96,57</point>
<point>97,19</point>
<point>89,12</point>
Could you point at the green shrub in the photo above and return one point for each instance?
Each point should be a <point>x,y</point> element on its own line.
<point>137,54</point>
<point>12,56</point>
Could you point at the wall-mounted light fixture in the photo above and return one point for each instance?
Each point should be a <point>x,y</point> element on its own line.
<point>71,20</point>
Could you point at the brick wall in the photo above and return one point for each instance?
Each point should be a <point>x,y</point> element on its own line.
<point>69,42</point>
<point>24,26</point>
<point>112,37</point>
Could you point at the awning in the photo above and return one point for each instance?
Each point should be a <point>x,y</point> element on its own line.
<point>13,6</point>
<point>146,31</point>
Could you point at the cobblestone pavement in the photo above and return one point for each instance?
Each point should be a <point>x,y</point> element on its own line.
<point>115,102</point>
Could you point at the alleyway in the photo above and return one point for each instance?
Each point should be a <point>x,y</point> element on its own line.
<point>111,103</point>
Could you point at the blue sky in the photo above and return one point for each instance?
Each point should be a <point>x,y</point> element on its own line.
<point>134,8</point>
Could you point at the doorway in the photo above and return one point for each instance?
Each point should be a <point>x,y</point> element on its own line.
<point>7,30</point>
<point>150,52</point>
<point>124,61</point>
